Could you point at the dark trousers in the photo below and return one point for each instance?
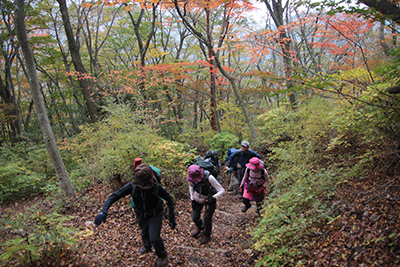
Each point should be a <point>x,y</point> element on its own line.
<point>246,202</point>
<point>240,175</point>
<point>208,214</point>
<point>151,229</point>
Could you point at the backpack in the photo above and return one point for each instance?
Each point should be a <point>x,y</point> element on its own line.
<point>262,170</point>
<point>208,166</point>
<point>156,192</point>
<point>210,153</point>
<point>192,159</point>
<point>230,151</point>
<point>203,189</point>
<point>157,173</point>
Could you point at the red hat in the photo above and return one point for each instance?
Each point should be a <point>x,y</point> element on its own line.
<point>254,164</point>
<point>137,162</point>
<point>195,174</point>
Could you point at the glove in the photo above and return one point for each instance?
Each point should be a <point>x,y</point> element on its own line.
<point>211,200</point>
<point>172,222</point>
<point>261,190</point>
<point>230,169</point>
<point>100,218</point>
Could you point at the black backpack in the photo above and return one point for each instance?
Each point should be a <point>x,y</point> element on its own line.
<point>210,153</point>
<point>192,159</point>
<point>204,187</point>
<point>205,165</point>
<point>156,194</point>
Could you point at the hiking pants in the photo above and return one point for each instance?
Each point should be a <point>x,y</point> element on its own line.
<point>240,175</point>
<point>246,202</point>
<point>233,184</point>
<point>208,214</point>
<point>151,228</point>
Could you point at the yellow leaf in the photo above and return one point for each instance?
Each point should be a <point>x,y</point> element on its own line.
<point>85,233</point>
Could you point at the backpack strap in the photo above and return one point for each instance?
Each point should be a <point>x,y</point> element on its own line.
<point>205,181</point>
<point>156,191</point>
<point>262,173</point>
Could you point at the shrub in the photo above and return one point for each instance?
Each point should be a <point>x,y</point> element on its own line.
<point>223,141</point>
<point>110,146</point>
<point>36,235</point>
<point>25,170</point>
<point>309,168</point>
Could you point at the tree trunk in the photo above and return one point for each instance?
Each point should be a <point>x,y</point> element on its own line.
<point>231,78</point>
<point>41,112</point>
<point>213,84</point>
<point>143,46</point>
<point>385,7</point>
<point>276,10</point>
<point>232,81</point>
<point>77,61</point>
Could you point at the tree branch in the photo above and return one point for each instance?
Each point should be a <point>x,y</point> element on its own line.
<point>385,7</point>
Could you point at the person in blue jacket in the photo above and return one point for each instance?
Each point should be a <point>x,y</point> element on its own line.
<point>240,158</point>
<point>147,200</point>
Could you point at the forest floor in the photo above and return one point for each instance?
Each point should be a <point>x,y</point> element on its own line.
<point>117,242</point>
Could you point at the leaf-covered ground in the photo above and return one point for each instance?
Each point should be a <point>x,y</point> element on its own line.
<point>116,242</point>
<point>365,225</point>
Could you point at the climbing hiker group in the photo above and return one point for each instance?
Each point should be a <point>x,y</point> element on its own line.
<point>248,179</point>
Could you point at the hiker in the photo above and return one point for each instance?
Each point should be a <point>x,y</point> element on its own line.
<point>241,157</point>
<point>254,183</point>
<point>232,173</point>
<point>212,156</point>
<point>215,161</point>
<point>157,171</point>
<point>147,200</point>
<point>204,191</point>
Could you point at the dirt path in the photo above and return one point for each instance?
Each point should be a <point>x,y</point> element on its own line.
<point>116,243</point>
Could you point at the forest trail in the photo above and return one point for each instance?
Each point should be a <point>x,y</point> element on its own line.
<point>116,242</point>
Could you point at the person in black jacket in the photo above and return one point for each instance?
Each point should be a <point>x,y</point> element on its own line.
<point>147,201</point>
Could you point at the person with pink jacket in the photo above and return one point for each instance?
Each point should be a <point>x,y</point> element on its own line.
<point>254,183</point>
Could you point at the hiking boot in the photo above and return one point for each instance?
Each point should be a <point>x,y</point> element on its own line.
<point>205,239</point>
<point>144,250</point>
<point>196,231</point>
<point>245,208</point>
<point>161,262</point>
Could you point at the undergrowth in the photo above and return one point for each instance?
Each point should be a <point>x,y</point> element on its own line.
<point>35,237</point>
<point>308,172</point>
